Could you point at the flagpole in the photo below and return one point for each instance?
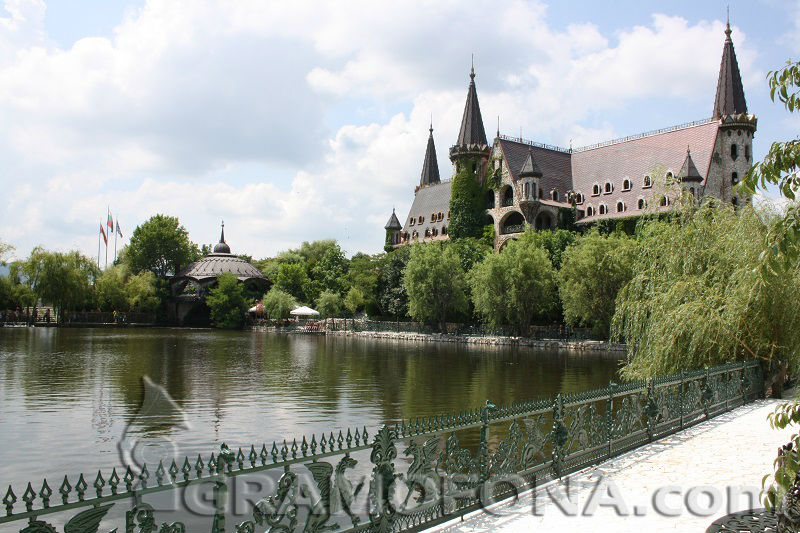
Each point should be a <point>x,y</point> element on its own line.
<point>115,241</point>
<point>98,249</point>
<point>106,255</point>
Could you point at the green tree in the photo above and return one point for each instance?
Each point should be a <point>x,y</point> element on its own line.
<point>142,293</point>
<point>5,249</point>
<point>226,302</point>
<point>698,298</point>
<point>328,271</point>
<point>293,278</point>
<point>160,245</point>
<point>514,286</point>
<point>470,251</point>
<point>278,304</point>
<point>553,241</point>
<point>593,271</point>
<point>392,295</point>
<point>63,279</point>
<point>435,284</point>
<point>110,288</point>
<point>363,272</point>
<point>355,300</point>
<point>329,304</point>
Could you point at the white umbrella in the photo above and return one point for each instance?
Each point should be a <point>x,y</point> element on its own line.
<point>304,311</point>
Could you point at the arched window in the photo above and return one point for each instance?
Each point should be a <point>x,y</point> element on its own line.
<point>554,195</point>
<point>734,178</point>
<point>440,216</point>
<point>626,184</point>
<point>421,220</point>
<point>603,209</point>
<point>747,152</point>
<point>589,211</point>
<point>579,198</point>
<point>508,196</point>
<point>534,194</point>
<point>734,151</point>
<point>433,217</point>
<point>647,182</point>
<point>620,207</point>
<point>641,204</point>
<point>669,176</point>
<point>608,188</point>
<point>444,230</point>
<point>595,189</point>
<point>412,221</point>
<point>663,202</point>
<point>527,190</point>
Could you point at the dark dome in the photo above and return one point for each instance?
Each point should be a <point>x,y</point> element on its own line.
<point>212,265</point>
<point>222,248</point>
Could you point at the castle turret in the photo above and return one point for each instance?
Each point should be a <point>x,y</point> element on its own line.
<point>471,146</point>
<point>733,151</point>
<point>430,167</point>
<point>393,229</point>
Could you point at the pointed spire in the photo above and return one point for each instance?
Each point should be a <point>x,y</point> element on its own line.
<point>730,92</point>
<point>530,169</point>
<point>430,167</point>
<point>689,171</point>
<point>472,131</point>
<point>222,247</point>
<point>394,223</point>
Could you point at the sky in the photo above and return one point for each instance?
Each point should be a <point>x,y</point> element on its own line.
<point>304,120</point>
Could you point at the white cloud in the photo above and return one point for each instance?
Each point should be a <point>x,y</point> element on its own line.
<point>207,109</point>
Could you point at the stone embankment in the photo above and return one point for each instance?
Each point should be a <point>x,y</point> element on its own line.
<point>487,340</point>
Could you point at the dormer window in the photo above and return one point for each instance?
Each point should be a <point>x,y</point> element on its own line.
<point>603,209</point>
<point>579,198</point>
<point>440,216</point>
<point>554,195</point>
<point>421,220</point>
<point>626,184</point>
<point>596,189</point>
<point>641,203</point>
<point>647,182</point>
<point>663,202</point>
<point>412,221</point>
<point>608,188</point>
<point>669,176</point>
<point>589,211</point>
<point>620,207</point>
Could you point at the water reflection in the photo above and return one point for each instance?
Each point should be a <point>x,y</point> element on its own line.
<point>68,394</point>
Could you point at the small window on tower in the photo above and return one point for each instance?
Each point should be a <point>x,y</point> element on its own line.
<point>734,151</point>
<point>747,152</point>
<point>734,178</point>
<point>412,221</point>
<point>554,194</point>
<point>595,189</point>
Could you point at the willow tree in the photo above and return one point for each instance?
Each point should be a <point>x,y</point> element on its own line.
<point>698,299</point>
<point>434,281</point>
<point>515,286</point>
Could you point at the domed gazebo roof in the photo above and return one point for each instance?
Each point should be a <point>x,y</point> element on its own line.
<point>220,261</point>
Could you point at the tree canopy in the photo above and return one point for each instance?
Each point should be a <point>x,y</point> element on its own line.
<point>160,245</point>
<point>278,303</point>
<point>227,302</point>
<point>63,279</point>
<point>593,271</point>
<point>435,284</point>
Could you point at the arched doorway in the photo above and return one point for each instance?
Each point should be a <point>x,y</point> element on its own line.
<point>489,199</point>
<point>513,223</point>
<point>544,221</point>
<point>508,196</point>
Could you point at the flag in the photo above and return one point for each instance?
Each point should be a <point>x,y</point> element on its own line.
<point>119,231</point>
<point>103,233</point>
<point>110,223</point>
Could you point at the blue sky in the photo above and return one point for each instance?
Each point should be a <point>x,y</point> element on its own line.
<point>306,120</point>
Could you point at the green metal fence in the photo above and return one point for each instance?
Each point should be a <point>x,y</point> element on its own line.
<point>407,476</point>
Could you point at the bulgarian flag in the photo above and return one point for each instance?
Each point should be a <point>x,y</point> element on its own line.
<point>103,233</point>
<point>110,223</point>
<point>119,231</point>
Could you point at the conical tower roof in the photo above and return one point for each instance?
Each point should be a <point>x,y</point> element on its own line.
<point>430,167</point>
<point>730,93</point>
<point>689,171</point>
<point>530,168</point>
<point>393,223</point>
<point>471,132</point>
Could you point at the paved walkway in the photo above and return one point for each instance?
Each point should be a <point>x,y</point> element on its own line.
<point>692,477</point>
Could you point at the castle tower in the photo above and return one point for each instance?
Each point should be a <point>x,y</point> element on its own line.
<point>471,146</point>
<point>733,151</point>
<point>430,167</point>
<point>393,229</point>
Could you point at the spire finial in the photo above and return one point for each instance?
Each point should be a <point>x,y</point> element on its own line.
<point>472,67</point>
<point>728,24</point>
<point>431,128</point>
<point>222,234</point>
<point>688,152</point>
<point>498,125</point>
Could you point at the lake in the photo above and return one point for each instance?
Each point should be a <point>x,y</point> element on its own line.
<point>69,396</point>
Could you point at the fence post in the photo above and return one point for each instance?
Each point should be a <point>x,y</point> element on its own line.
<point>559,435</point>
<point>651,409</point>
<point>484,448</point>
<point>680,396</point>
<point>610,416</point>
<point>708,394</point>
<point>744,384</point>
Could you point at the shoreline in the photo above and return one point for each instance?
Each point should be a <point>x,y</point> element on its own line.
<point>576,345</point>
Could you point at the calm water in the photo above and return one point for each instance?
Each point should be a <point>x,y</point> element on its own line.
<point>68,395</point>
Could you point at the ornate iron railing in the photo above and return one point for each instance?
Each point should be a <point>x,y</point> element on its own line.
<point>412,474</point>
<point>515,228</point>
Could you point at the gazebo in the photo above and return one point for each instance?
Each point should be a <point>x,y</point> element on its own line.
<point>190,286</point>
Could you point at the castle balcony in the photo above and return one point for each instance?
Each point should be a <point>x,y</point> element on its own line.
<point>515,228</point>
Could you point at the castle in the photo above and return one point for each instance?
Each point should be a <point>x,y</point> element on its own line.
<point>548,187</point>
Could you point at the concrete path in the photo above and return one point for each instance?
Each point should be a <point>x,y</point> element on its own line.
<point>680,483</point>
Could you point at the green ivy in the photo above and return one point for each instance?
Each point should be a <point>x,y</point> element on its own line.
<point>387,245</point>
<point>466,202</point>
